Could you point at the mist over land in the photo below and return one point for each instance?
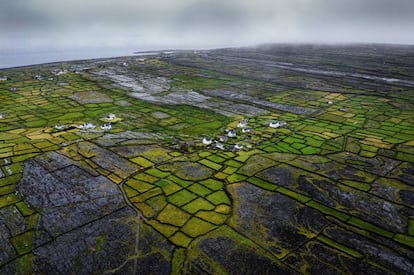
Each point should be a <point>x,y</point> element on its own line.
<point>113,28</point>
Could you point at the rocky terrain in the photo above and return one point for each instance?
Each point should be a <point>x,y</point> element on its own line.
<point>278,159</point>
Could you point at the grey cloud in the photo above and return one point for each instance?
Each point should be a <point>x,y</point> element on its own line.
<point>189,23</point>
<point>209,14</point>
<point>19,15</point>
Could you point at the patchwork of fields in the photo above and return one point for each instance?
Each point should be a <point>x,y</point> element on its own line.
<point>331,189</point>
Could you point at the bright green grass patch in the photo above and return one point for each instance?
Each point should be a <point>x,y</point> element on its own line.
<point>196,227</point>
<point>404,239</point>
<point>8,199</point>
<point>7,189</point>
<point>183,183</point>
<point>171,188</point>
<point>145,177</point>
<point>204,154</point>
<point>332,117</point>
<point>145,209</point>
<point>310,150</point>
<point>35,123</point>
<point>147,195</point>
<point>212,184</point>
<point>216,159</point>
<point>24,157</point>
<point>173,216</point>
<point>24,209</point>
<point>130,192</point>
<point>180,198</point>
<point>140,186</point>
<point>218,197</point>
<point>358,185</point>
<point>210,164</point>
<point>327,210</point>
<point>157,173</point>
<point>198,204</point>
<point>161,183</point>
<point>223,209</point>
<point>262,184</point>
<point>156,155</point>
<point>292,140</point>
<point>70,117</point>
<point>213,217</point>
<point>199,189</point>
<point>230,170</point>
<point>143,162</point>
<point>236,178</point>
<point>367,154</point>
<point>339,246</point>
<point>297,146</point>
<point>180,239</point>
<point>405,157</point>
<point>314,142</point>
<point>233,163</point>
<point>370,227</point>
<point>178,261</point>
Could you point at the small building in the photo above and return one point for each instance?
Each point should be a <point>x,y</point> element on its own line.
<point>207,140</point>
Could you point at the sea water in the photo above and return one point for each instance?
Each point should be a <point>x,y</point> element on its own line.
<point>18,58</point>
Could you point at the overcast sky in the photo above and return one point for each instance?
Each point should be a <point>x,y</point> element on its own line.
<point>143,24</point>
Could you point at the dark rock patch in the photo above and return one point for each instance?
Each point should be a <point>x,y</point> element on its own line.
<point>188,170</point>
<point>7,251</point>
<point>240,259</point>
<point>85,225</point>
<point>314,192</point>
<point>407,197</point>
<point>155,252</point>
<point>96,247</point>
<point>374,251</point>
<point>316,258</point>
<point>69,197</point>
<point>276,222</point>
<point>13,220</point>
<point>277,175</point>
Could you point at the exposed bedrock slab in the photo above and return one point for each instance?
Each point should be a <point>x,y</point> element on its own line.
<point>317,258</point>
<point>177,98</point>
<point>154,153</point>
<point>114,139</point>
<point>91,97</point>
<point>14,221</point>
<point>236,95</point>
<point>188,170</point>
<point>85,225</point>
<point>7,251</point>
<point>378,211</point>
<point>404,172</point>
<point>96,247</point>
<point>398,259</point>
<point>105,159</point>
<point>378,165</point>
<point>228,255</point>
<point>278,223</point>
<point>154,254</point>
